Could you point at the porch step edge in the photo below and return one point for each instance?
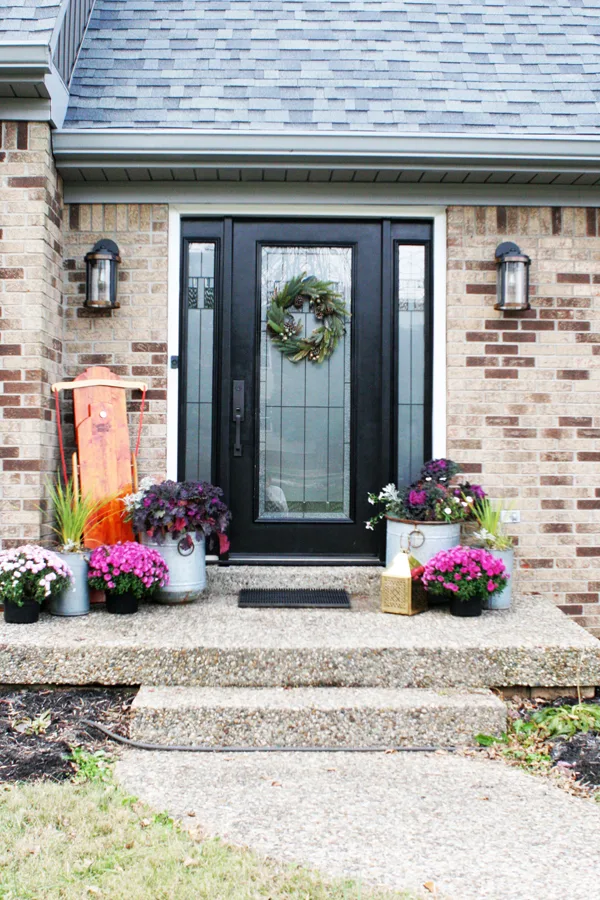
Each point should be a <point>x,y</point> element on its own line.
<point>314,717</point>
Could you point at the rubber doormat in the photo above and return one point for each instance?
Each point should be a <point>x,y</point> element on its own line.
<point>293,599</point>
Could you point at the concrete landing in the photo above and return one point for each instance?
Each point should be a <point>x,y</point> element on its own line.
<point>215,644</point>
<point>314,717</point>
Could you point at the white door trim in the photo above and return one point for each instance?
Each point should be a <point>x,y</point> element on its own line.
<point>270,209</point>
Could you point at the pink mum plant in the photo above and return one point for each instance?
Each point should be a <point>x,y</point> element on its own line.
<point>128,568</point>
<point>466,572</point>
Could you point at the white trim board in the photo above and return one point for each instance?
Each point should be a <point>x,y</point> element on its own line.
<point>203,193</point>
<point>267,209</point>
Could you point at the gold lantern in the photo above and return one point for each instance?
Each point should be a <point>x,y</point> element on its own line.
<point>399,593</point>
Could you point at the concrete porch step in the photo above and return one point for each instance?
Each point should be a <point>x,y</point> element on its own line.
<point>314,717</point>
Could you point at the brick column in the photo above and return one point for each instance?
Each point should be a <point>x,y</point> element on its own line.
<point>31,324</point>
<point>523,387</point>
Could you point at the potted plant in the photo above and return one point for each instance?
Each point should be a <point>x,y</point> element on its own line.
<point>74,514</point>
<point>466,576</point>
<point>28,576</point>
<point>127,573</point>
<point>491,536</point>
<point>176,518</point>
<point>425,516</point>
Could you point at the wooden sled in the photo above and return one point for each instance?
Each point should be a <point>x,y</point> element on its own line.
<point>103,465</point>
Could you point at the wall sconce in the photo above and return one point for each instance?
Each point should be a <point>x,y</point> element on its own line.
<point>512,284</point>
<point>101,265</point>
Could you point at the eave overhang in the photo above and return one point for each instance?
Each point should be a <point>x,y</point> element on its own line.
<point>81,151</point>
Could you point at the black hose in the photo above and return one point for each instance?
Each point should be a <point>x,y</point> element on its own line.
<point>200,748</point>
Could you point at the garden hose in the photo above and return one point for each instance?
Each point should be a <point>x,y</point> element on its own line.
<point>201,748</point>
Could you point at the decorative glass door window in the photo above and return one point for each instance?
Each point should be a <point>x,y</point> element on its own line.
<point>304,434</point>
<point>200,301</point>
<point>411,281</point>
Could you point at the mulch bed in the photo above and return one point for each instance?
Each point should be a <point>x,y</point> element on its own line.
<point>578,755</point>
<point>40,726</point>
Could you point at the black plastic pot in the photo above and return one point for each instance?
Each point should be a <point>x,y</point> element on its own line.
<point>121,604</point>
<point>26,614</point>
<point>467,609</point>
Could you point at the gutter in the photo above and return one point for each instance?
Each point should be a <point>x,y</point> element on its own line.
<point>24,60</point>
<point>129,148</point>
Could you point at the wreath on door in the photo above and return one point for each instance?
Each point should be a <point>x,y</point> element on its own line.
<point>285,331</point>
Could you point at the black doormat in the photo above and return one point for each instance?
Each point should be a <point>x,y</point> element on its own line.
<point>293,599</point>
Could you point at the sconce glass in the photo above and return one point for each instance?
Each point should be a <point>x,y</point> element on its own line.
<point>101,268</point>
<point>512,284</point>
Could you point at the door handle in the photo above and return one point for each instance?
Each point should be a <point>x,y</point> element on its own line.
<point>238,415</point>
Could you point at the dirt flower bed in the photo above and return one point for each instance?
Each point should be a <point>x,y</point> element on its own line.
<point>560,740</point>
<point>41,728</point>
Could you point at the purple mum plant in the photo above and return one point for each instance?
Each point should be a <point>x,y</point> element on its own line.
<point>128,568</point>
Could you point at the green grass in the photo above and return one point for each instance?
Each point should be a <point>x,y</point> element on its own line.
<point>86,839</point>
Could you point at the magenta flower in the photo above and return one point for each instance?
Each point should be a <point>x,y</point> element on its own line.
<point>466,572</point>
<point>127,568</point>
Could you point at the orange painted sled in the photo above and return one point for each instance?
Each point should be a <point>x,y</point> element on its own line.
<point>103,465</point>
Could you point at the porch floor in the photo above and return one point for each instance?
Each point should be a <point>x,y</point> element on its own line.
<point>214,644</point>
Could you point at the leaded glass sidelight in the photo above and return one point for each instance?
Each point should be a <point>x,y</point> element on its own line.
<point>304,463</point>
<point>411,261</point>
<point>199,288</point>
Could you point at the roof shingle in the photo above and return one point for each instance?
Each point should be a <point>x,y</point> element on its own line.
<point>412,66</point>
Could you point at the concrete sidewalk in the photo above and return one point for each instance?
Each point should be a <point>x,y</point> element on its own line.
<point>477,829</point>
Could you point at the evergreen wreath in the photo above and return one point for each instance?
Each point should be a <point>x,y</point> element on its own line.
<point>326,304</point>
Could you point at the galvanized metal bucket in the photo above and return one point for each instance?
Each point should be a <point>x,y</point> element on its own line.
<point>187,569</point>
<point>75,600</point>
<point>421,539</point>
<point>502,600</point>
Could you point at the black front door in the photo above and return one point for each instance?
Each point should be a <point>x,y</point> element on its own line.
<point>297,446</point>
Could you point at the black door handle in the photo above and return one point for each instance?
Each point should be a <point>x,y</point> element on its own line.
<point>238,415</point>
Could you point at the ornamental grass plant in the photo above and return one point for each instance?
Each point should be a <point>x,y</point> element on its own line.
<point>74,514</point>
<point>128,568</point>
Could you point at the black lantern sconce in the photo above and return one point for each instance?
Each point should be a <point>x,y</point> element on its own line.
<point>512,285</point>
<point>101,268</point>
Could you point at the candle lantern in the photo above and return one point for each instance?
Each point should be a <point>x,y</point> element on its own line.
<point>399,593</point>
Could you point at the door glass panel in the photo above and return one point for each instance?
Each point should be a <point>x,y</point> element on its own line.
<point>411,360</point>
<point>304,443</point>
<point>200,298</point>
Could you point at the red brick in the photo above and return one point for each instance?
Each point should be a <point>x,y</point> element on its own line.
<point>556,479</point>
<point>556,528</point>
<point>574,326</point>
<point>572,610</point>
<point>554,504</point>
<point>10,350</point>
<point>481,288</point>
<point>502,325</point>
<point>27,181</point>
<point>11,274</point>
<point>588,457</point>
<point>9,452</point>
<point>22,465</point>
<point>29,412</point>
<point>481,336</point>
<point>573,375</point>
<point>575,421</point>
<point>582,598</point>
<point>537,563</point>
<point>591,338</point>
<point>588,433</point>
<point>587,551</point>
<point>538,326</point>
<point>588,504</point>
<point>572,278</point>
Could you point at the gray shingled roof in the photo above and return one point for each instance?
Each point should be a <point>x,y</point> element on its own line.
<point>27,20</point>
<point>412,66</point>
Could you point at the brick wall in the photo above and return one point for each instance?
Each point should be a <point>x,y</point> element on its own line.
<point>31,323</point>
<point>523,390</point>
<point>130,340</point>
